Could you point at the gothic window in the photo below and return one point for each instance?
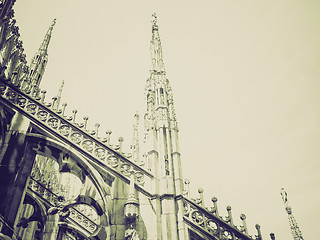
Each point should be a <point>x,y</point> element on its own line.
<point>26,231</point>
<point>161,96</point>
<point>43,65</point>
<point>149,164</point>
<point>47,181</point>
<point>167,167</point>
<point>54,186</point>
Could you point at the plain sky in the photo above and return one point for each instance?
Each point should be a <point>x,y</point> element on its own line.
<point>245,78</point>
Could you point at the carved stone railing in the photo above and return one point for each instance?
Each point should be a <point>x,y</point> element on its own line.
<point>52,199</point>
<point>71,235</point>
<point>76,135</point>
<point>82,220</point>
<point>210,224</point>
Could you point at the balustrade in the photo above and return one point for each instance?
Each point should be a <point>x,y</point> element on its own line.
<point>210,223</point>
<point>97,149</point>
<point>75,216</point>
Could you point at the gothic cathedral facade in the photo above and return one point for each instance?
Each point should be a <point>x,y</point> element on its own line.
<point>61,180</point>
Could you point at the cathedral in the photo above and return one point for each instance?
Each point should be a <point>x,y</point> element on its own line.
<point>62,180</point>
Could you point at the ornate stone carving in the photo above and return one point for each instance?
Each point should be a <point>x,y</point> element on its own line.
<point>210,223</point>
<point>131,234</point>
<point>71,131</point>
<point>86,219</point>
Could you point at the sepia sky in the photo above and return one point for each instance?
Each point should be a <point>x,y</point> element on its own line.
<point>245,79</point>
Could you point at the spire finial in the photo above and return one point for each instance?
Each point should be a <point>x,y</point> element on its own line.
<point>154,22</point>
<point>155,47</point>
<point>46,41</point>
<point>53,22</point>
<point>154,19</point>
<point>284,196</point>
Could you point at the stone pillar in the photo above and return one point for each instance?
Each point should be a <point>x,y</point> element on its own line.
<point>180,222</point>
<point>51,228</point>
<point>169,219</point>
<point>16,165</point>
<point>15,180</point>
<point>117,221</point>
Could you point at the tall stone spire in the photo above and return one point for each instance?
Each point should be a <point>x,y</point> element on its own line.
<point>160,107</point>
<point>162,156</point>
<point>40,59</point>
<point>158,91</point>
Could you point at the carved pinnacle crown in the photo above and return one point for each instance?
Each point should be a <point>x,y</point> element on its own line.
<point>53,23</point>
<point>46,41</point>
<point>156,49</point>
<point>154,21</point>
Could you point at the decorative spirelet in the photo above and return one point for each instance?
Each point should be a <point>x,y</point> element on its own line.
<point>154,19</point>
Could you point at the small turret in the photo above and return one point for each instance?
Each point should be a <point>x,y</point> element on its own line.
<point>131,207</point>
<point>155,47</point>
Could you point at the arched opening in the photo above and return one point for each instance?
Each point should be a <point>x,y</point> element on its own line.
<point>49,182</point>
<point>31,218</point>
<point>70,188</point>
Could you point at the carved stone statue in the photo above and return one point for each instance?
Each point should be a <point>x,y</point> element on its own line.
<point>131,234</point>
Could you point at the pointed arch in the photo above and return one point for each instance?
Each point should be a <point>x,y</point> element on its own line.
<point>80,167</point>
